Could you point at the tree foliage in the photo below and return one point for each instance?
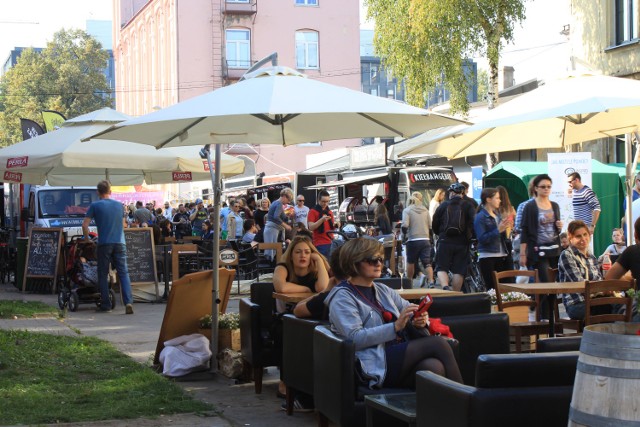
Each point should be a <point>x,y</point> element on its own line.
<point>67,76</point>
<point>427,41</point>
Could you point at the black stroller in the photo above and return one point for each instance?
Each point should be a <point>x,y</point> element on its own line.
<point>81,278</point>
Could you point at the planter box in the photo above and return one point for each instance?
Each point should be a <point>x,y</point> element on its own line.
<point>516,314</point>
<point>229,338</point>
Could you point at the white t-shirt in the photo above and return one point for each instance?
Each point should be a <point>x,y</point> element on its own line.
<point>301,214</point>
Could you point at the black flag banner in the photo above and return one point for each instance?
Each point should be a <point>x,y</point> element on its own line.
<point>30,129</point>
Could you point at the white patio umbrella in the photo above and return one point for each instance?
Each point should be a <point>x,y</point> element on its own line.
<point>60,158</point>
<point>274,105</point>
<point>560,113</point>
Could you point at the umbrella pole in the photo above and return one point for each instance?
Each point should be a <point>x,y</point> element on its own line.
<point>215,289</point>
<point>630,166</point>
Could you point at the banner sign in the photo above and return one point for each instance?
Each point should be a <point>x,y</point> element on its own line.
<point>476,182</point>
<point>562,165</point>
<point>179,176</point>
<point>143,196</point>
<point>52,120</point>
<point>30,129</point>
<point>17,162</point>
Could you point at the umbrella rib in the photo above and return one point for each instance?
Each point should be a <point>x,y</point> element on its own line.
<point>182,132</point>
<point>278,120</point>
<point>470,143</point>
<point>378,122</point>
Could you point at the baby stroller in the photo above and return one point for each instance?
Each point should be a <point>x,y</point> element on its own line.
<point>81,278</point>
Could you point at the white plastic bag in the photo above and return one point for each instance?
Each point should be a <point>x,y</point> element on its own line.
<point>185,354</point>
<point>521,280</point>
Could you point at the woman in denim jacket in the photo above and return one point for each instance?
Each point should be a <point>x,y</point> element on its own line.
<point>374,317</point>
<point>490,230</point>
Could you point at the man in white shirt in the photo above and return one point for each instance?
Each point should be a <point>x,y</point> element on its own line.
<point>301,211</point>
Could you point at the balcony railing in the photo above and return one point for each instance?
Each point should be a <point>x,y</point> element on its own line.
<point>234,69</point>
<point>239,7</point>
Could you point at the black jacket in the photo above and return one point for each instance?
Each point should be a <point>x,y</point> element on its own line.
<point>439,218</point>
<point>530,228</point>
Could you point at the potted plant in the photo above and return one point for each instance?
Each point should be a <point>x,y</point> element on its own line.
<point>516,314</point>
<point>228,330</point>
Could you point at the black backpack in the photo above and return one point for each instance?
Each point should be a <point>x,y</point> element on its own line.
<point>454,221</point>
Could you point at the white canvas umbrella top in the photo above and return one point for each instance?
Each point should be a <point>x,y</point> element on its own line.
<point>562,112</point>
<point>60,157</point>
<point>276,106</point>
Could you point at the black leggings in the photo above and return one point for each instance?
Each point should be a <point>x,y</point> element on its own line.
<point>424,354</point>
<point>491,264</point>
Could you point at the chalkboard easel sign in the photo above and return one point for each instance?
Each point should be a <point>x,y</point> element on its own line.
<point>43,255</point>
<point>141,256</point>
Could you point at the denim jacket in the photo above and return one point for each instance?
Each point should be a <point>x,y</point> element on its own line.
<point>486,228</point>
<point>353,319</point>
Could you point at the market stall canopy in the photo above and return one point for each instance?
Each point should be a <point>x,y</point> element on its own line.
<point>60,158</point>
<point>363,179</point>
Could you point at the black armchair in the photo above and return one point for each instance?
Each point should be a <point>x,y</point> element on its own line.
<point>510,389</point>
<point>475,303</point>
<point>478,334</point>
<point>337,396</point>
<point>297,355</point>
<point>554,344</point>
<point>261,346</point>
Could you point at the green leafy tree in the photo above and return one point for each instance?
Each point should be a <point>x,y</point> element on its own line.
<point>483,85</point>
<point>427,41</point>
<point>67,76</point>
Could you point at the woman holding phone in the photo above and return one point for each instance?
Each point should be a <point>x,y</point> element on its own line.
<point>491,231</point>
<point>376,317</point>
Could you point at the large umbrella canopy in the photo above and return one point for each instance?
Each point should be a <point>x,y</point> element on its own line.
<point>277,106</point>
<point>60,158</point>
<point>560,113</point>
<point>273,106</point>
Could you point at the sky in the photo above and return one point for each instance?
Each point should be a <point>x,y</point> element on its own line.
<point>31,23</point>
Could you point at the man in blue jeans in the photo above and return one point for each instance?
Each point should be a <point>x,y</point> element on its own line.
<point>109,217</point>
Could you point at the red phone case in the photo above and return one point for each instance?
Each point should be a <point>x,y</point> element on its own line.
<point>424,305</point>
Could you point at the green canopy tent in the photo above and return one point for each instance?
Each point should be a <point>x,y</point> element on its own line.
<point>606,180</point>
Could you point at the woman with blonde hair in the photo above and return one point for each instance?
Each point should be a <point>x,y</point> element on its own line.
<point>436,200</point>
<point>302,269</point>
<point>375,316</point>
<point>261,212</point>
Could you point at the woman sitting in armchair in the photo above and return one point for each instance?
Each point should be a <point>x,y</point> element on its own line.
<point>375,316</point>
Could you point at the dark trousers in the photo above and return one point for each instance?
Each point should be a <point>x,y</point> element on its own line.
<point>491,264</point>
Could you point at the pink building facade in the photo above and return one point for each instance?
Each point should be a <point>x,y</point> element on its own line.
<point>167,51</point>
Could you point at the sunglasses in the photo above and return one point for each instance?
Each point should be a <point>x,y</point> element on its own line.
<point>374,260</point>
<point>300,200</point>
<point>544,187</point>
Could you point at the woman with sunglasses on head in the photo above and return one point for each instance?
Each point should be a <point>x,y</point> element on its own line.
<point>540,232</point>
<point>375,316</point>
<point>491,228</point>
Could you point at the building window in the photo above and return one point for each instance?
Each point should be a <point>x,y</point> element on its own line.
<point>307,49</point>
<point>306,2</point>
<point>625,15</point>
<point>238,48</point>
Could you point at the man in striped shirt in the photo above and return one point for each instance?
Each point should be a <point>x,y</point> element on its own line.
<point>586,206</point>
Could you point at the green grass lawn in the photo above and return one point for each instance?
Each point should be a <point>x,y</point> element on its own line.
<point>50,379</point>
<point>9,309</point>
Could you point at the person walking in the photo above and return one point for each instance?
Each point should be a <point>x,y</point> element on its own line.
<point>416,225</point>
<point>276,220</point>
<point>453,223</point>
<point>541,227</point>
<point>436,200</point>
<point>108,215</point>
<point>491,230</point>
<point>586,206</point>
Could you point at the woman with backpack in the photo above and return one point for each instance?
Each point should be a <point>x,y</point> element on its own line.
<point>490,228</point>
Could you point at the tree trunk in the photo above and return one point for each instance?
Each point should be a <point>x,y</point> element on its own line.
<point>492,101</point>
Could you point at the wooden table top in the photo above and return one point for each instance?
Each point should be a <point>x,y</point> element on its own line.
<point>295,297</point>
<point>544,288</point>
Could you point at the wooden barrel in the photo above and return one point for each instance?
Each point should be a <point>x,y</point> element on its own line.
<point>607,386</point>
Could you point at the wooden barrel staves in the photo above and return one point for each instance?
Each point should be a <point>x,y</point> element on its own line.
<point>607,385</point>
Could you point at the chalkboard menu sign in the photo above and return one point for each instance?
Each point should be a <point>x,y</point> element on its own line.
<point>43,255</point>
<point>141,257</point>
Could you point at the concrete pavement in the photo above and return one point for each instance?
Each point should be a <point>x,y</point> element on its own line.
<point>136,335</point>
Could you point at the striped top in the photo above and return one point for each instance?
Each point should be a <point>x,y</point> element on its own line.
<point>584,203</point>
